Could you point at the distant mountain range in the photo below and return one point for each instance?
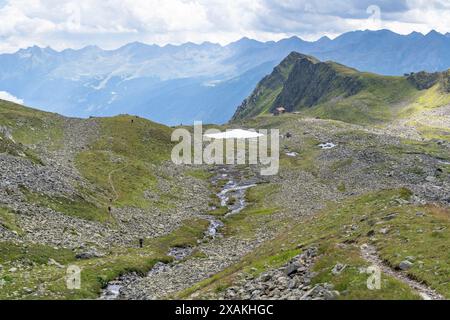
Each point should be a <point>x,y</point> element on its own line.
<point>180,84</point>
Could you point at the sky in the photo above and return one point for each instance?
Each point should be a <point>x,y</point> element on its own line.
<point>109,24</point>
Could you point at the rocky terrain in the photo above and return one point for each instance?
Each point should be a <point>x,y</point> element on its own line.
<point>102,194</point>
<point>290,282</point>
<point>214,252</point>
<point>303,188</point>
<point>59,177</point>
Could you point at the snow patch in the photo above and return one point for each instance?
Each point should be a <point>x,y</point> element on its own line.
<point>234,134</point>
<point>328,145</point>
<point>291,154</point>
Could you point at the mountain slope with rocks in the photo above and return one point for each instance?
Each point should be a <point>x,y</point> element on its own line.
<point>379,187</point>
<point>333,91</point>
<point>103,195</point>
<point>73,190</point>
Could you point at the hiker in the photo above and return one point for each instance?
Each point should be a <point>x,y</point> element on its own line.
<point>141,243</point>
<point>109,209</point>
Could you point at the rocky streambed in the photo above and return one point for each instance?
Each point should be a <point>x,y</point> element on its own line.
<point>114,288</point>
<point>232,194</point>
<point>164,279</point>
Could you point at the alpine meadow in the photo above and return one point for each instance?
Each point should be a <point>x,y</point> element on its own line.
<point>158,151</point>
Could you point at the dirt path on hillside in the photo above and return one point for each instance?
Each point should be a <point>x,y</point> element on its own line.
<point>369,253</point>
<point>111,183</point>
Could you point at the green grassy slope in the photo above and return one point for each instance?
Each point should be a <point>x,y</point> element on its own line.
<point>383,99</point>
<point>333,91</point>
<point>31,126</point>
<point>262,99</point>
<point>120,162</point>
<point>339,231</point>
<point>123,156</point>
<point>96,273</point>
<point>9,146</point>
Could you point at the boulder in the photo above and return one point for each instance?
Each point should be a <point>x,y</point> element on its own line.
<point>291,268</point>
<point>405,265</point>
<point>88,255</point>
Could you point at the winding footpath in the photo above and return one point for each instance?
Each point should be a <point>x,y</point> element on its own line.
<point>111,183</point>
<point>369,253</point>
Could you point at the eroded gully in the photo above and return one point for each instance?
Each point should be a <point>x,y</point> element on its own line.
<point>218,252</point>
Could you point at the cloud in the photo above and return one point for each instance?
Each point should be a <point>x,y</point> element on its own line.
<point>9,97</point>
<point>111,23</point>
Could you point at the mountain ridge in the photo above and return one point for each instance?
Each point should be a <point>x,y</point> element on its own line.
<point>209,80</point>
<point>243,39</point>
<point>332,90</point>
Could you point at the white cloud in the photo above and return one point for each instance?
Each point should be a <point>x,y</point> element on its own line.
<point>111,23</point>
<point>9,97</point>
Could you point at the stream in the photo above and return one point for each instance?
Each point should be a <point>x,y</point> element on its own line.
<point>233,192</point>
<point>232,195</point>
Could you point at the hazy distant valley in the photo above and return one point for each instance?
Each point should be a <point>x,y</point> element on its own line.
<point>179,84</point>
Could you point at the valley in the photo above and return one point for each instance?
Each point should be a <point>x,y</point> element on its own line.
<point>364,178</point>
<point>178,84</point>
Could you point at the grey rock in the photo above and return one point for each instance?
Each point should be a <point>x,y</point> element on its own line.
<point>265,277</point>
<point>87,255</point>
<point>27,290</point>
<point>420,214</point>
<point>291,268</point>
<point>390,216</point>
<point>405,265</point>
<point>292,284</point>
<point>338,268</point>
